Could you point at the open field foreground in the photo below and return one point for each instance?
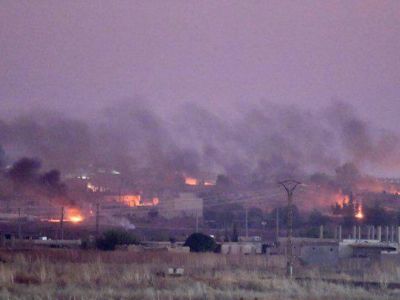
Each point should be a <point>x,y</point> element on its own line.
<point>75,274</point>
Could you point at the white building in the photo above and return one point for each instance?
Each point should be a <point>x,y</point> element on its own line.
<point>185,204</point>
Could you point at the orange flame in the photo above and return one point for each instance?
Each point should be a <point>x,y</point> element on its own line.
<point>130,200</point>
<point>191,181</point>
<point>136,200</point>
<point>194,181</point>
<point>359,214</point>
<point>156,201</point>
<point>209,183</point>
<point>73,215</point>
<point>342,200</point>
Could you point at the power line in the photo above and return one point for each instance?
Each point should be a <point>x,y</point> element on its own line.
<point>289,186</point>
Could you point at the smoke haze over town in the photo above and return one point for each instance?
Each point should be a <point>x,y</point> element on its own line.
<point>263,139</point>
<point>222,93</point>
<point>220,87</point>
<point>265,133</point>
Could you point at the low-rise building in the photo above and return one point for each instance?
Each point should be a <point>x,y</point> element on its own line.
<point>184,205</point>
<point>330,251</point>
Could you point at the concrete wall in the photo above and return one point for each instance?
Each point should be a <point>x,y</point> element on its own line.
<point>345,250</point>
<point>319,254</point>
<point>157,248</point>
<point>299,243</point>
<point>241,248</point>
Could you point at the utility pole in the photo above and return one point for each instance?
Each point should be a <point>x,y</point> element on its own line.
<point>247,221</point>
<point>62,223</point>
<point>277,225</point>
<point>289,186</point>
<point>19,224</point>
<point>197,221</point>
<point>97,218</point>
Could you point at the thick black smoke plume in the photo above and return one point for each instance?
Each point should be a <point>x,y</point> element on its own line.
<point>25,171</point>
<point>27,179</point>
<point>256,144</point>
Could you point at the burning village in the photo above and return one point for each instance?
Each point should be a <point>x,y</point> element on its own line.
<point>230,190</point>
<point>197,150</point>
<point>166,189</point>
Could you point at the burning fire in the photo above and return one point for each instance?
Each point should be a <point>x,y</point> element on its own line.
<point>359,214</point>
<point>94,188</point>
<point>191,181</point>
<point>342,200</point>
<point>194,181</point>
<point>73,215</point>
<point>130,200</point>
<point>136,200</point>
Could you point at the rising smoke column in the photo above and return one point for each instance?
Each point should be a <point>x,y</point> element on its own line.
<point>363,144</point>
<point>27,179</point>
<point>260,143</point>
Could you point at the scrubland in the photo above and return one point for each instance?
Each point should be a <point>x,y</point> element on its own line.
<point>78,274</point>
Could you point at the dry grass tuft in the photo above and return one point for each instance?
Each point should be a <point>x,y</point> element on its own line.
<point>24,278</point>
<point>74,274</point>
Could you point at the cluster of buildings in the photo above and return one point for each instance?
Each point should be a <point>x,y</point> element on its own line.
<point>117,198</point>
<point>183,204</point>
<point>117,203</point>
<point>368,246</point>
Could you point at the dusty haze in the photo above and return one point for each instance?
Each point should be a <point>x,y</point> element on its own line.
<point>227,87</point>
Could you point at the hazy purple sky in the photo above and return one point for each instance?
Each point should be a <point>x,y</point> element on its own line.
<point>79,56</point>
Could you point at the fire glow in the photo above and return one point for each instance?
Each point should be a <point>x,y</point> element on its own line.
<point>136,200</point>
<point>191,181</point>
<point>342,200</point>
<point>72,215</point>
<point>359,214</point>
<point>94,188</point>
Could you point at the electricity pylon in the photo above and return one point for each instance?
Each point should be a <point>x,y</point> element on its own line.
<point>289,186</point>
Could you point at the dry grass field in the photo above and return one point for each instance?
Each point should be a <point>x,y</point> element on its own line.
<point>78,274</point>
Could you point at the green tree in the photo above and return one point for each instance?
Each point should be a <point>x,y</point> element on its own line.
<point>283,214</point>
<point>111,238</point>
<point>377,215</point>
<point>256,216</point>
<point>199,242</point>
